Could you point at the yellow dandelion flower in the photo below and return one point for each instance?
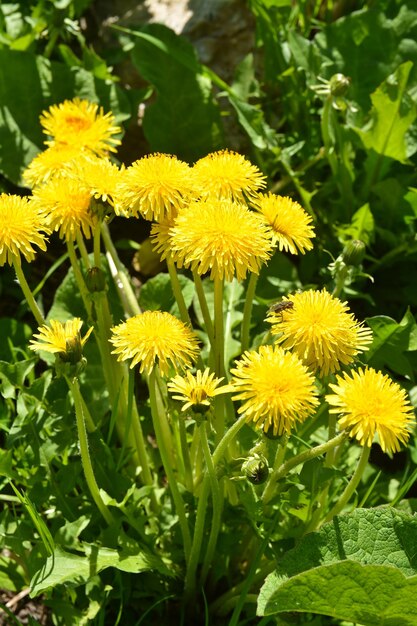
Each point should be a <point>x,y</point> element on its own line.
<point>51,162</point>
<point>22,226</point>
<point>81,124</point>
<point>277,390</point>
<point>290,224</point>
<point>221,236</point>
<point>67,207</point>
<point>99,175</point>
<point>227,175</point>
<point>61,338</point>
<point>156,186</point>
<point>196,390</point>
<point>161,237</point>
<point>320,330</point>
<point>370,403</point>
<point>155,338</point>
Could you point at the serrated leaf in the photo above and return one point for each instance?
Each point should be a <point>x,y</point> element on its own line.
<point>393,111</point>
<point>371,595</point>
<point>361,227</point>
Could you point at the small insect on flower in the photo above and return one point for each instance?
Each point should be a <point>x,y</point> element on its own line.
<point>278,307</point>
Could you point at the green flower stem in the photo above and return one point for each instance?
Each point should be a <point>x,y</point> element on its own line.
<point>79,277</point>
<point>204,307</point>
<point>312,453</point>
<point>340,281</point>
<point>328,462</point>
<point>96,242</point>
<point>218,607</point>
<point>185,454</point>
<point>202,506</point>
<point>217,500</point>
<point>28,294</point>
<point>247,312</point>
<point>120,277</point>
<point>281,450</point>
<point>218,328</point>
<point>157,410</point>
<point>176,288</point>
<point>85,454</point>
<point>83,250</point>
<point>351,486</point>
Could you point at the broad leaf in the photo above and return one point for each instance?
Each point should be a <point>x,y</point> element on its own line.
<point>184,119</point>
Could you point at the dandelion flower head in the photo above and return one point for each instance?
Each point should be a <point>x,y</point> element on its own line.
<point>81,124</point>
<point>57,336</point>
<point>320,330</point>
<point>155,338</point>
<point>194,390</point>
<point>370,403</point>
<point>222,237</point>
<point>276,389</point>
<point>156,186</point>
<point>291,225</point>
<point>161,237</point>
<point>22,229</point>
<point>99,175</point>
<point>67,206</point>
<point>227,175</point>
<point>51,162</point>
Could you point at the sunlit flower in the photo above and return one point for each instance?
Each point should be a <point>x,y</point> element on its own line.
<point>276,389</point>
<point>320,330</point>
<point>369,402</point>
<point>161,237</point>
<point>61,338</point>
<point>51,162</point>
<point>290,224</point>
<point>81,124</point>
<point>67,206</point>
<point>99,175</point>
<point>222,237</point>
<point>227,175</point>
<point>195,390</point>
<point>22,226</point>
<point>155,186</point>
<point>155,338</point>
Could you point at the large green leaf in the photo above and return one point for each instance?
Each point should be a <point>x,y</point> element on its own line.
<point>29,85</point>
<point>184,119</point>
<point>360,567</point>
<point>391,341</point>
<point>393,111</point>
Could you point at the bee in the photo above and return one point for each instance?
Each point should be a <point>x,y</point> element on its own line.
<point>279,307</point>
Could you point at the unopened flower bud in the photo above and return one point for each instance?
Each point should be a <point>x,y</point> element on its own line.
<point>354,252</point>
<point>73,350</point>
<point>339,84</point>
<point>95,280</point>
<point>256,469</point>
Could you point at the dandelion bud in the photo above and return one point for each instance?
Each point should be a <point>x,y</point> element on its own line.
<point>256,469</point>
<point>354,252</point>
<point>73,350</point>
<point>95,280</point>
<point>339,84</point>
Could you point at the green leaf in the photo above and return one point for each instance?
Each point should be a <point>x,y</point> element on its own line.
<point>392,114</point>
<point>184,119</point>
<point>157,294</point>
<point>64,567</point>
<point>378,545</point>
<point>361,227</point>
<point>371,595</point>
<point>390,341</point>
